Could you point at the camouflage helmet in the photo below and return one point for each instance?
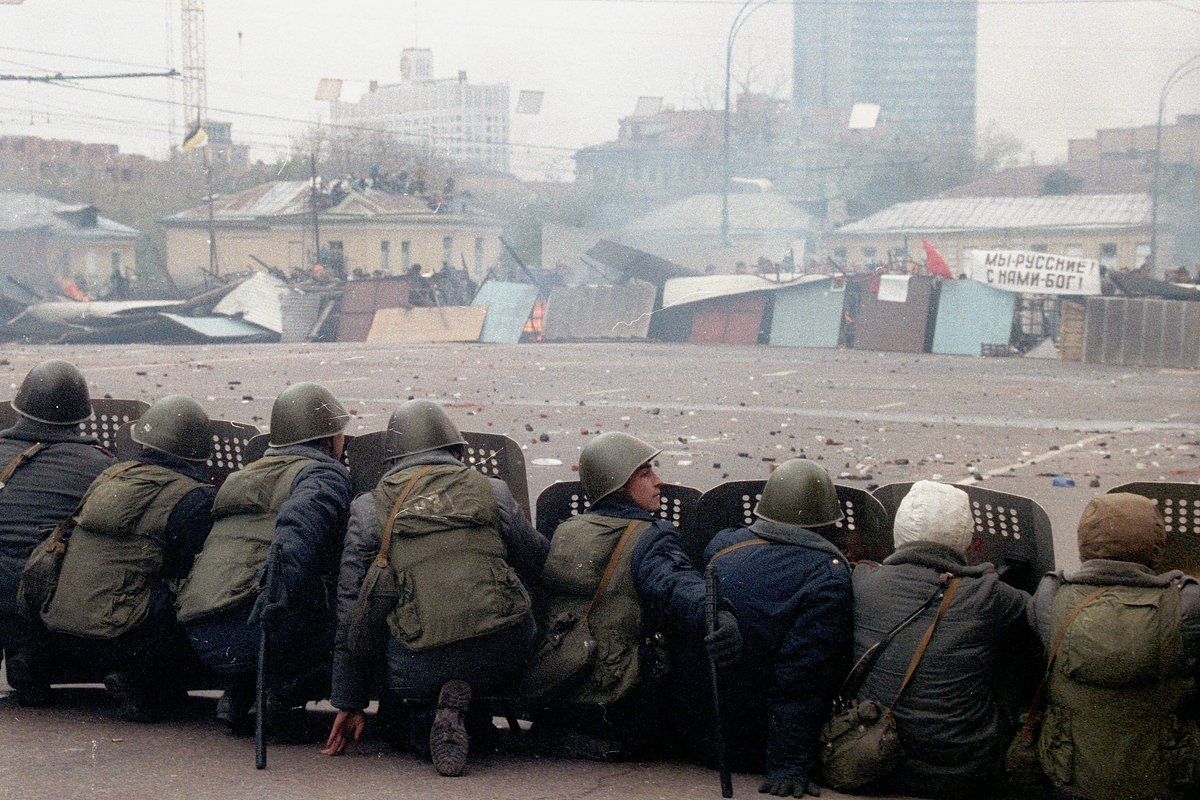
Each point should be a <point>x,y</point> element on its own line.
<point>799,492</point>
<point>419,426</point>
<point>304,412</point>
<point>175,425</point>
<point>54,392</point>
<point>608,461</point>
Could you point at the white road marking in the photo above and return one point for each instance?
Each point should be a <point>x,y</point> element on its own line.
<point>887,405</point>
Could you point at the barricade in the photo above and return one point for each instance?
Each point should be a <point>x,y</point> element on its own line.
<point>560,501</point>
<point>862,534</point>
<point>108,417</point>
<point>1179,504</point>
<point>1008,527</point>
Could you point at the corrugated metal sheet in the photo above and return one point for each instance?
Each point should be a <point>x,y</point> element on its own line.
<point>599,312</point>
<point>291,198</point>
<point>23,211</point>
<point>895,327</point>
<point>1004,213</point>
<point>1146,333</point>
<point>256,300</point>
<point>678,291</point>
<point>217,327</point>
<point>508,307</point>
<point>70,312</point>
<point>729,320</point>
<point>971,314</point>
<point>298,312</point>
<point>1070,330</point>
<point>360,301</point>
<point>808,315</point>
<point>415,325</point>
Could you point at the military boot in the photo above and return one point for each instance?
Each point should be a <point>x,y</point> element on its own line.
<point>134,702</point>
<point>448,740</point>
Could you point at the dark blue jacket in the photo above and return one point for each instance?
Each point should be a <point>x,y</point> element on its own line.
<point>670,589</point>
<point>310,527</point>
<point>42,492</point>
<point>793,604</point>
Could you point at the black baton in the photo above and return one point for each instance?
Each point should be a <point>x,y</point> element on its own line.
<point>710,614</point>
<point>260,682</point>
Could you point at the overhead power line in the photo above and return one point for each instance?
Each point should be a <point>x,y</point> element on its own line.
<point>59,76</point>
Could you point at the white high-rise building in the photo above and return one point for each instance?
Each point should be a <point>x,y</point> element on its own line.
<point>457,120</point>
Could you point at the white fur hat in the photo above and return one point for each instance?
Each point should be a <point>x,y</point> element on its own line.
<point>934,512</point>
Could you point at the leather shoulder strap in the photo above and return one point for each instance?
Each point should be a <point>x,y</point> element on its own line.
<point>385,544</point>
<point>611,568</point>
<point>21,458</point>
<point>916,659</point>
<point>738,546</point>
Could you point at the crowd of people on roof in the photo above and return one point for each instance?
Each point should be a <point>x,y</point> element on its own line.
<point>433,592</point>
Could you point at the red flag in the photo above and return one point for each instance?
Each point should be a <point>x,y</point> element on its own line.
<point>935,263</point>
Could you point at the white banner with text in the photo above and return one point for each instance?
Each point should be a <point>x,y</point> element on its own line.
<point>1033,273</point>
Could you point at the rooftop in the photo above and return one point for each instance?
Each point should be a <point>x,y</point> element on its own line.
<point>759,211</point>
<point>1077,211</point>
<point>21,211</point>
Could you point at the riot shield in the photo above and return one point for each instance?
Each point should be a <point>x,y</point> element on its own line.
<point>1179,504</point>
<point>562,500</point>
<point>108,417</point>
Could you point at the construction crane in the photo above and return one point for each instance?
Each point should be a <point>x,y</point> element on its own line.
<point>195,81</point>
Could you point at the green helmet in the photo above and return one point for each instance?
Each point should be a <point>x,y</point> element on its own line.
<point>304,412</point>
<point>419,426</point>
<point>54,392</point>
<point>607,462</point>
<point>799,492</point>
<point>175,425</point>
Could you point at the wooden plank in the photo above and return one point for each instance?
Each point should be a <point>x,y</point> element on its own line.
<point>415,325</point>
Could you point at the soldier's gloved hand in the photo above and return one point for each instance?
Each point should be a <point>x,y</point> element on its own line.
<point>789,783</point>
<point>724,644</point>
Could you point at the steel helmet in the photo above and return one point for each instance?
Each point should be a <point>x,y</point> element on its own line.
<point>304,412</point>
<point>608,461</point>
<point>175,425</point>
<point>419,426</point>
<point>54,392</point>
<point>799,492</point>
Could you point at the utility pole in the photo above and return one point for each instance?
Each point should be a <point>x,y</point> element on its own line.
<point>312,194</point>
<point>213,267</point>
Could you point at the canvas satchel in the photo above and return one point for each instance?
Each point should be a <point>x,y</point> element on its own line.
<point>567,650</point>
<point>860,743</point>
<point>39,576</point>
<point>368,631</point>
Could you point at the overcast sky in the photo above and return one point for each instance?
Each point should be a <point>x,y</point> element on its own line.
<point>1048,70</point>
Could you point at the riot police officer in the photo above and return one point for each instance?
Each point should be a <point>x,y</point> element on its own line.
<point>294,499</point>
<point>45,467</point>
<point>462,553</point>
<point>141,524</point>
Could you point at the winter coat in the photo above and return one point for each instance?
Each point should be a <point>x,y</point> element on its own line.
<point>525,551</point>
<point>1117,722</point>
<point>958,713</point>
<point>41,492</point>
<point>793,604</point>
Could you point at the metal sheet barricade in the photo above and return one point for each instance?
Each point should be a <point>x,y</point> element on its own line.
<point>1179,504</point>
<point>863,533</point>
<point>560,501</point>
<point>493,454</point>
<point>108,417</point>
<point>231,444</point>
<point>1007,526</point>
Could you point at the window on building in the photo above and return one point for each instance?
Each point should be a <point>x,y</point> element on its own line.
<point>869,252</point>
<point>384,253</point>
<point>839,253</point>
<point>478,255</point>
<point>1039,248</point>
<point>405,255</point>
<point>1108,254</point>
<point>1073,250</point>
<point>116,260</point>
<point>447,250</point>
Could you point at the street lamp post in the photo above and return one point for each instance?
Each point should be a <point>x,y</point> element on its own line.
<point>743,14</point>
<point>1178,74</point>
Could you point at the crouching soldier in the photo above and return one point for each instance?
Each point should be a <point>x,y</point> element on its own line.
<point>45,467</point>
<point>624,572</point>
<point>789,588</point>
<point>1125,639</point>
<point>458,553</point>
<point>294,502</point>
<point>141,524</point>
